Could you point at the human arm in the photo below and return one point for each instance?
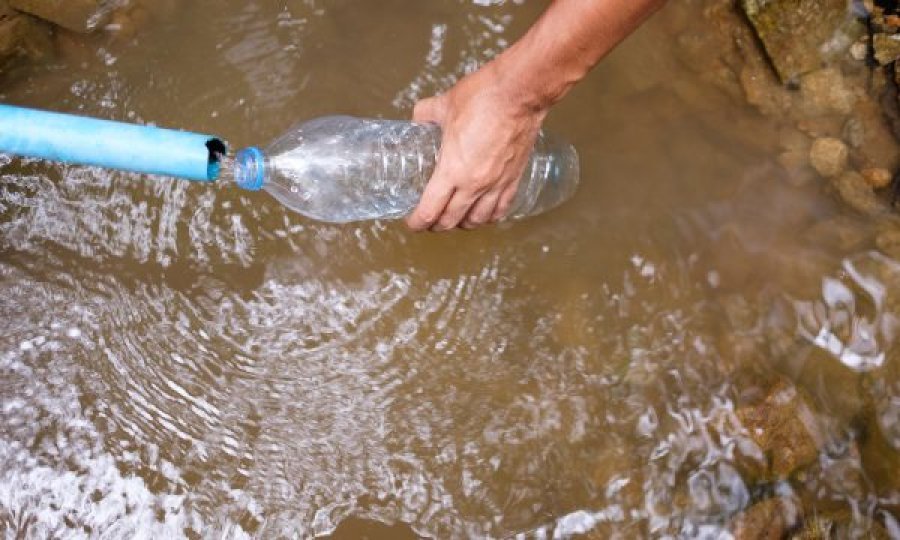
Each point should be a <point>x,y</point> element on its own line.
<point>490,119</point>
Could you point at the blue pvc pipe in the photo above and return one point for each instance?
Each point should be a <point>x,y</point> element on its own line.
<point>103,143</point>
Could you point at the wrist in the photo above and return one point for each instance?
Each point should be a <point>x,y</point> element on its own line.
<point>534,81</point>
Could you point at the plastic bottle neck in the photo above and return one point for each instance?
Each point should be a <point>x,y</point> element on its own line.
<point>250,168</point>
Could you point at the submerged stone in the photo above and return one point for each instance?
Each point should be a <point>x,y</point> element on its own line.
<point>785,432</point>
<point>853,190</point>
<point>22,35</point>
<point>825,91</point>
<point>887,48</point>
<point>829,156</point>
<point>768,519</point>
<point>877,177</point>
<point>797,34</point>
<point>77,15</point>
<point>880,455</point>
<point>888,242</point>
<point>838,525</point>
<point>840,232</point>
<point>870,137</point>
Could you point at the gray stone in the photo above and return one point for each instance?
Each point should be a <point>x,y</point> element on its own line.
<point>797,33</point>
<point>77,15</point>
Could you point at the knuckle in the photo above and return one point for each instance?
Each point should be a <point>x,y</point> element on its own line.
<point>482,182</point>
<point>478,218</point>
<point>447,223</point>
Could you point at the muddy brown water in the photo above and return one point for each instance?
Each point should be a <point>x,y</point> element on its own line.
<point>180,360</point>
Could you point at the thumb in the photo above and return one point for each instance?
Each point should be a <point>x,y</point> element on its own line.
<point>429,110</point>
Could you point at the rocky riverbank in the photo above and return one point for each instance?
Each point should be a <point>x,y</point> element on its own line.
<point>36,30</point>
<point>825,73</point>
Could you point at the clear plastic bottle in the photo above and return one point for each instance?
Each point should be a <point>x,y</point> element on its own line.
<point>341,169</point>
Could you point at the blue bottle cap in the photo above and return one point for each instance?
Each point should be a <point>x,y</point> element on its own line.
<point>250,168</point>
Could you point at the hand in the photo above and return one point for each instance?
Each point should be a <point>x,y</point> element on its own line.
<point>488,137</point>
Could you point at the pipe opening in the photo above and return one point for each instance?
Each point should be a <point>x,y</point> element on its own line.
<point>217,151</point>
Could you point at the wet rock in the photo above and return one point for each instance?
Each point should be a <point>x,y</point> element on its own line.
<point>126,22</point>
<point>880,458</point>
<point>22,35</point>
<point>708,49</point>
<point>825,91</point>
<point>77,15</point>
<point>818,372</point>
<point>122,26</point>
<point>763,91</point>
<point>859,51</point>
<point>829,156</point>
<point>74,47</point>
<point>792,139</point>
<point>769,519</point>
<point>795,32</point>
<point>785,432</point>
<point>887,48</point>
<point>794,158</point>
<point>821,126</point>
<point>853,190</point>
<point>841,232</point>
<point>876,177</point>
<point>870,137</point>
<point>737,336</point>
<point>796,164</point>
<point>888,242</point>
<point>838,525</point>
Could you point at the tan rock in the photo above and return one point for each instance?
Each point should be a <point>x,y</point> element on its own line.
<point>888,242</point>
<point>770,519</point>
<point>887,48</point>
<point>853,190</point>
<point>77,15</point>
<point>831,525</point>
<point>785,432</point>
<point>74,47</point>
<point>795,156</point>
<point>763,90</point>
<point>877,177</point>
<point>825,91</point>
<point>817,369</point>
<point>22,35</point>
<point>829,156</point>
<point>822,126</point>
<point>870,138</point>
<point>795,32</point>
<point>859,51</point>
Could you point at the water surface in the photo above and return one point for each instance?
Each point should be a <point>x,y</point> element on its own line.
<point>185,360</point>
